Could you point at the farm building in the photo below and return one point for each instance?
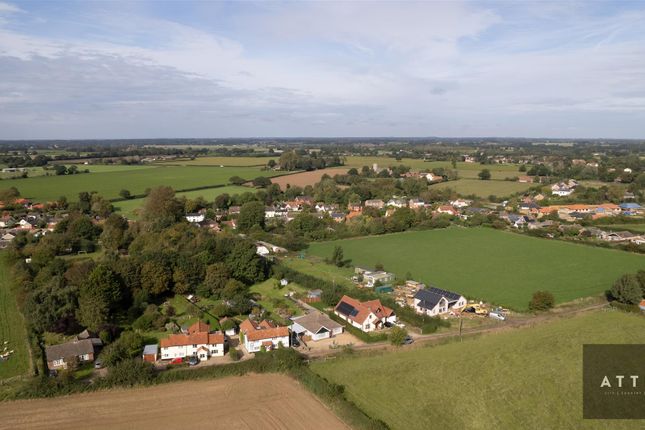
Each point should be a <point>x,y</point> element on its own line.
<point>150,353</point>
<point>265,334</point>
<point>198,342</point>
<point>69,353</point>
<point>367,316</point>
<point>315,326</point>
<point>435,301</point>
<point>642,305</point>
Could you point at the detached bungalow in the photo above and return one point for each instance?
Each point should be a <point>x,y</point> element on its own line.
<point>265,334</point>
<point>367,316</point>
<point>435,301</point>
<point>315,326</point>
<point>65,354</point>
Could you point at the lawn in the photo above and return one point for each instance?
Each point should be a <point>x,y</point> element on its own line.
<point>12,328</point>
<point>639,228</point>
<point>317,268</point>
<point>129,207</point>
<point>497,266</point>
<point>530,378</point>
<point>499,188</point>
<point>273,297</point>
<point>108,184</point>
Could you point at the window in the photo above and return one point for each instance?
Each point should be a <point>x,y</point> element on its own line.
<point>194,346</point>
<point>58,362</point>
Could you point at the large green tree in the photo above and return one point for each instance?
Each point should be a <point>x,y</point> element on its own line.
<point>251,214</point>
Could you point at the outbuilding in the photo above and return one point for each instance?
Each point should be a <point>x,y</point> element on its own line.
<point>150,353</point>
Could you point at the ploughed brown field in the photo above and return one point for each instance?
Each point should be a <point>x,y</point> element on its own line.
<point>307,178</point>
<point>245,402</point>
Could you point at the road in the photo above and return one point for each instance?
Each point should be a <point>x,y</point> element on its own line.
<point>424,339</point>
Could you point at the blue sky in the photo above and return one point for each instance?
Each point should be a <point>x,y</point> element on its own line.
<point>215,69</point>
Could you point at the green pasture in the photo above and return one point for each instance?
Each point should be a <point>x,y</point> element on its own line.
<point>529,378</point>
<point>492,265</point>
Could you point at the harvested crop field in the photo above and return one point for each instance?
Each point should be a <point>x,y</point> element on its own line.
<point>307,178</point>
<point>247,402</point>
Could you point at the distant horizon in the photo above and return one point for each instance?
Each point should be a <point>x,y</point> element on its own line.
<point>252,138</point>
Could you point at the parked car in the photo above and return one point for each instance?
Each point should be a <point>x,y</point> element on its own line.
<point>408,340</point>
<point>193,361</point>
<point>177,360</point>
<point>98,364</point>
<point>497,314</point>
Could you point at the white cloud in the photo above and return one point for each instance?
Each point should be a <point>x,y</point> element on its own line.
<point>347,68</point>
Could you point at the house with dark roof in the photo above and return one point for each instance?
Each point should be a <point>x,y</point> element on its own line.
<point>67,354</point>
<point>315,326</point>
<point>367,316</point>
<point>435,301</point>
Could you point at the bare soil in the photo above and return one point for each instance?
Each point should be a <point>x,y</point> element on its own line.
<point>265,401</point>
<point>307,178</point>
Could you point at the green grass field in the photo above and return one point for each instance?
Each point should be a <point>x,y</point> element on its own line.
<point>639,228</point>
<point>129,207</point>
<point>12,328</point>
<point>272,297</point>
<point>530,378</point>
<point>484,189</point>
<point>500,267</point>
<point>108,184</point>
<point>223,161</point>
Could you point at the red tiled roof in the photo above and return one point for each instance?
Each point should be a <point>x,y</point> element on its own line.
<point>268,333</point>
<point>263,330</point>
<point>365,308</point>
<point>199,327</point>
<point>192,339</point>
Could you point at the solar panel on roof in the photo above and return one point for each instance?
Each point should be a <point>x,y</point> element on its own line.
<point>347,309</point>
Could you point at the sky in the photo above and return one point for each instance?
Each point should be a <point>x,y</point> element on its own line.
<point>108,69</point>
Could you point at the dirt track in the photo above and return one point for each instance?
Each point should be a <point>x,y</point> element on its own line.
<point>246,402</point>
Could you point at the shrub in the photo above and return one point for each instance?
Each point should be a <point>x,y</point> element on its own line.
<point>627,290</point>
<point>234,354</point>
<point>541,301</point>
<point>128,346</point>
<point>397,336</point>
<point>128,373</point>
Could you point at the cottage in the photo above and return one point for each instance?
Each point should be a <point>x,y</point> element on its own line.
<point>447,209</point>
<point>264,335</point>
<point>562,189</point>
<point>197,342</point>
<point>396,203</point>
<point>195,217</point>
<point>69,354</point>
<point>376,203</point>
<point>435,301</point>
<point>642,305</point>
<point>367,316</point>
<point>461,203</point>
<point>150,353</point>
<point>416,204</point>
<point>315,326</point>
